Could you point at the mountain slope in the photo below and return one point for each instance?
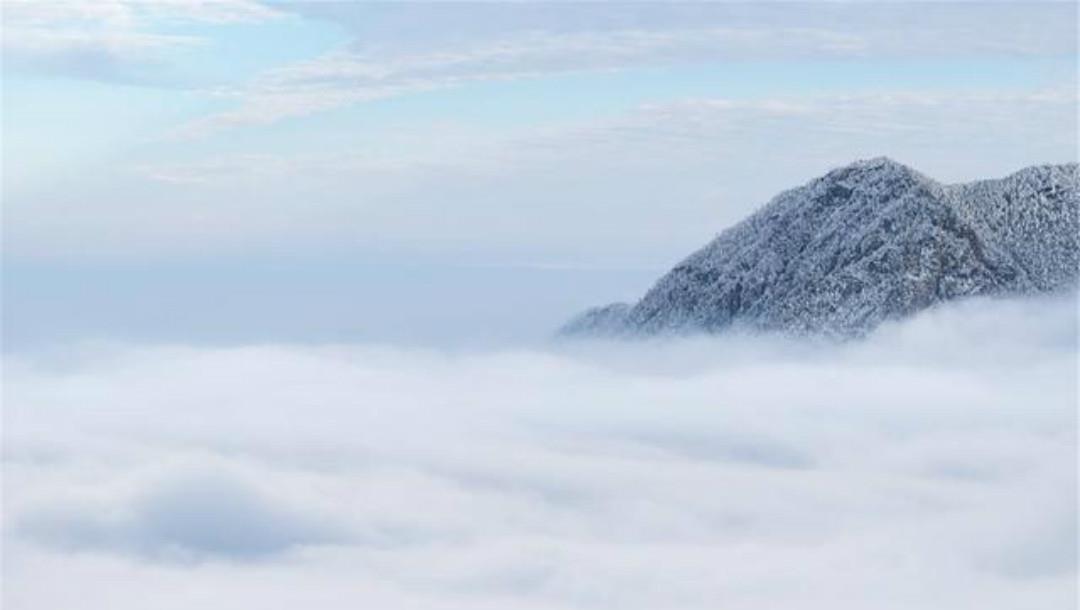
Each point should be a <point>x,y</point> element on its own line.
<point>865,243</point>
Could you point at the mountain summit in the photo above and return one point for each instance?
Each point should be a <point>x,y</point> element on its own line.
<point>869,242</point>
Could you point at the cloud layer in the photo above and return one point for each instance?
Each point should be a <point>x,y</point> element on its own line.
<point>933,466</point>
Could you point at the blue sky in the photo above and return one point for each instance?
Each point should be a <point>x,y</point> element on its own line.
<point>603,138</point>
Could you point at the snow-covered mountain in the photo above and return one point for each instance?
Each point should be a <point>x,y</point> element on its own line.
<point>863,244</point>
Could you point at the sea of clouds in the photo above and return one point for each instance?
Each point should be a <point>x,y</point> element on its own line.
<point>931,466</point>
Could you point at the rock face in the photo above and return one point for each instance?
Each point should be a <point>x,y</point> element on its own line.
<point>866,243</point>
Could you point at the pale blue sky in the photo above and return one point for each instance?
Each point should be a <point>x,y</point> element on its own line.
<point>144,138</point>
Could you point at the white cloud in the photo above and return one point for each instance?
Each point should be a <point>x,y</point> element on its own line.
<point>105,38</point>
<point>406,50</point>
<point>121,13</point>
<point>347,76</point>
<point>930,467</point>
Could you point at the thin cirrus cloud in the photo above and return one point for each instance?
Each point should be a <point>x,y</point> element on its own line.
<point>347,77</point>
<point>113,40</point>
<point>911,470</point>
<point>555,40</point>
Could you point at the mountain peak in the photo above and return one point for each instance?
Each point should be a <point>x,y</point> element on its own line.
<point>876,166</point>
<point>868,242</point>
<point>880,162</point>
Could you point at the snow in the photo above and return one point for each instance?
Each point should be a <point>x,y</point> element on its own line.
<point>866,243</point>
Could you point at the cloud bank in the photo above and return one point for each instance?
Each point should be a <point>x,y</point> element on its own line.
<point>933,466</point>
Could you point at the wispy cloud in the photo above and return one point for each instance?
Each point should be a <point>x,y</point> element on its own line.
<point>105,40</point>
<point>373,68</point>
<point>718,127</point>
<point>349,76</point>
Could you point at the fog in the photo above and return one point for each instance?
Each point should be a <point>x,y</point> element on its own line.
<point>932,465</point>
